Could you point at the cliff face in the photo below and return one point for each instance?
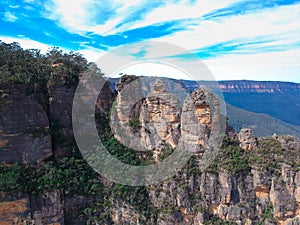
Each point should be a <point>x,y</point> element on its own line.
<point>60,95</point>
<point>258,87</point>
<point>24,126</point>
<point>243,199</point>
<point>36,126</point>
<point>160,123</point>
<point>247,86</point>
<point>251,181</point>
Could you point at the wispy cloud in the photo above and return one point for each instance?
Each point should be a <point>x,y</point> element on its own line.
<point>14,6</point>
<point>99,17</point>
<point>8,16</point>
<point>242,46</point>
<point>246,7</point>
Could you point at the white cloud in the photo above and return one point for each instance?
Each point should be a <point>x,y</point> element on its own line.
<point>72,15</point>
<point>241,27</point>
<point>281,66</point>
<point>177,11</point>
<point>92,54</point>
<point>8,16</point>
<point>80,15</point>
<point>168,12</point>
<point>26,43</point>
<point>153,69</point>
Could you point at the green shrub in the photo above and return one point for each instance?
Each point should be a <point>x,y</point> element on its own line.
<point>135,124</point>
<point>217,221</point>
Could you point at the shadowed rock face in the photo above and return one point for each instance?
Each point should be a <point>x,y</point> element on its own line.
<point>24,126</point>
<point>47,208</point>
<point>60,102</point>
<point>35,127</point>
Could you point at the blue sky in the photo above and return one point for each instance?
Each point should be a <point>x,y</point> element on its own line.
<point>236,39</point>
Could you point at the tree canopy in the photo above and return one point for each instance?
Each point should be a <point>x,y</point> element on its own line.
<point>31,67</point>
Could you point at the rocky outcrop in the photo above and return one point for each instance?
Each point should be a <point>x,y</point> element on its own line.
<point>160,122</point>
<point>125,110</point>
<point>199,119</point>
<point>123,213</point>
<point>47,208</point>
<point>287,141</point>
<point>251,197</point>
<point>14,208</point>
<point>160,119</point>
<point>247,139</point>
<point>43,209</point>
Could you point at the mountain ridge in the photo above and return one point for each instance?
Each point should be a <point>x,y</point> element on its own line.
<point>248,86</point>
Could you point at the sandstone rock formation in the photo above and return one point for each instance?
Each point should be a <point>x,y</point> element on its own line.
<point>240,199</point>
<point>14,208</point>
<point>161,122</point>
<point>122,213</point>
<point>47,208</point>
<point>160,119</point>
<point>43,209</point>
<point>247,140</point>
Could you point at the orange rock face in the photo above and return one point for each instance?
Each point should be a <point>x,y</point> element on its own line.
<point>2,143</point>
<point>262,191</point>
<point>14,212</point>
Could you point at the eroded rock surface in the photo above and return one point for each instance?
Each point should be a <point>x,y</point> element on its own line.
<point>24,126</point>
<point>160,121</point>
<point>247,139</point>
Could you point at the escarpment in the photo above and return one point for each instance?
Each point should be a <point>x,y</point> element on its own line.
<point>250,180</point>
